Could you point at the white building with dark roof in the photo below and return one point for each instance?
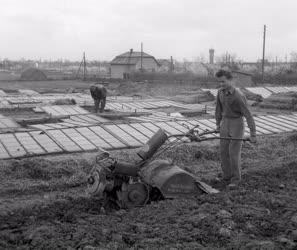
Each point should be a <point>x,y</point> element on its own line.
<point>125,64</point>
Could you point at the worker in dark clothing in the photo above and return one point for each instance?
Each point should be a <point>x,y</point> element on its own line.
<point>98,93</point>
<point>231,107</point>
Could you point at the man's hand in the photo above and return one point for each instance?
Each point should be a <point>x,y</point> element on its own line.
<point>253,139</point>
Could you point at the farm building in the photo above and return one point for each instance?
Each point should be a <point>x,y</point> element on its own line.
<point>125,64</point>
<point>33,74</point>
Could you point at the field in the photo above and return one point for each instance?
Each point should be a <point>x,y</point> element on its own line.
<point>43,203</point>
<point>8,76</point>
<point>44,86</point>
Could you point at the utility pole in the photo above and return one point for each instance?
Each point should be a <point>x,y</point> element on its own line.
<point>141,57</point>
<point>83,64</point>
<point>263,57</point>
<point>84,67</point>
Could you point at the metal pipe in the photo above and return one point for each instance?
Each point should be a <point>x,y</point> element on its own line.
<point>225,138</point>
<point>211,138</point>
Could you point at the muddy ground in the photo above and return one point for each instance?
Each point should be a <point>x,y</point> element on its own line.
<point>43,204</point>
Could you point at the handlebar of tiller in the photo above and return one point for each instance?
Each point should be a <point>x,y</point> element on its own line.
<point>192,135</point>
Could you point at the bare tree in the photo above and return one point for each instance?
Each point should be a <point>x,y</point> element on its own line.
<point>201,58</point>
<point>293,56</point>
<point>186,65</point>
<point>228,60</point>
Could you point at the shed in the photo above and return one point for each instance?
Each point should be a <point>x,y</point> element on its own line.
<point>33,74</point>
<point>132,61</point>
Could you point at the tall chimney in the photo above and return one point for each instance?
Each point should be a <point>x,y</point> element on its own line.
<point>211,56</point>
<point>171,64</point>
<point>131,51</point>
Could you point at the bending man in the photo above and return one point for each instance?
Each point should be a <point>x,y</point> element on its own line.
<point>98,93</point>
<point>231,107</point>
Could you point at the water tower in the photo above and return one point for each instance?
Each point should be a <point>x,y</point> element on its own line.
<point>211,56</point>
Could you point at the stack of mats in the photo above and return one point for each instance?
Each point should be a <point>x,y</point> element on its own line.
<point>117,136</point>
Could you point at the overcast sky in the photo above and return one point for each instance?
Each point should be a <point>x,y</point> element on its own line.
<point>52,29</point>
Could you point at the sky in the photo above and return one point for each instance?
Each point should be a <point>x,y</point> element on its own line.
<point>183,29</point>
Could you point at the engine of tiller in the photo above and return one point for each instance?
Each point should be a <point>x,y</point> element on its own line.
<point>128,185</point>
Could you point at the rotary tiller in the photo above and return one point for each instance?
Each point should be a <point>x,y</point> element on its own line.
<point>135,184</point>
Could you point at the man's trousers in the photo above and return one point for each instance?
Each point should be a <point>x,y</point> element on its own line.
<point>231,149</point>
<point>100,102</point>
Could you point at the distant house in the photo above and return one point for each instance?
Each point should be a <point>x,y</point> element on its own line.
<point>250,66</point>
<point>125,64</point>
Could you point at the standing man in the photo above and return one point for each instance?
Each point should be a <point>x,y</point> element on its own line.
<point>231,107</point>
<point>98,93</point>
